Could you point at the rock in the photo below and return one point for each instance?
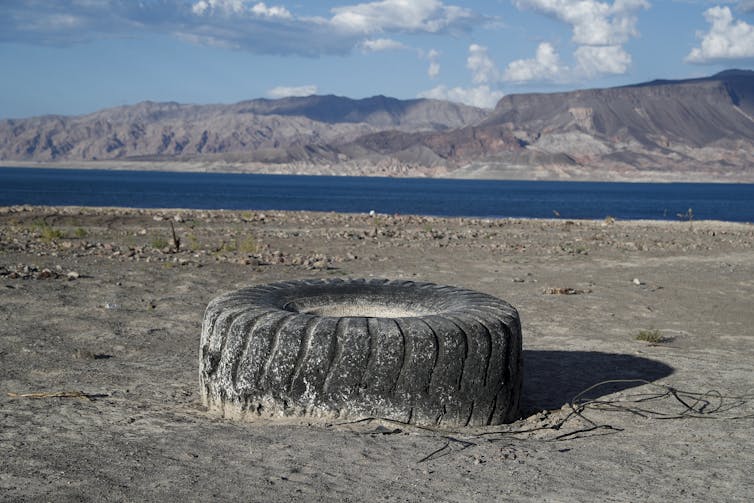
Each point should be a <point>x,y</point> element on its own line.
<point>46,274</point>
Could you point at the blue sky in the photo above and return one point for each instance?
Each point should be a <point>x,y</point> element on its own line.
<point>78,56</point>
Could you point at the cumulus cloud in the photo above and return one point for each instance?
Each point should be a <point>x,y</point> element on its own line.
<point>479,96</point>
<point>593,22</point>
<point>599,30</point>
<point>288,91</point>
<point>484,72</point>
<point>260,27</point>
<point>483,69</point>
<point>381,44</point>
<point>726,39</point>
<point>434,66</point>
<point>545,66</point>
<point>602,60</point>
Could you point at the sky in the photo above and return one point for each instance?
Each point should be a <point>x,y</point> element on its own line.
<point>75,57</point>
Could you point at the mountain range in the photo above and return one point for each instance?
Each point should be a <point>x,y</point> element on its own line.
<point>694,129</point>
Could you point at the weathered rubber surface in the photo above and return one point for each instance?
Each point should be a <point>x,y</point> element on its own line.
<point>451,358</point>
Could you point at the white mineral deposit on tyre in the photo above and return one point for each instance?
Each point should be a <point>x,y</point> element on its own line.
<point>413,352</point>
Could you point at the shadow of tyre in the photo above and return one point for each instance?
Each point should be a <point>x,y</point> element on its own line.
<point>413,352</point>
<point>554,378</point>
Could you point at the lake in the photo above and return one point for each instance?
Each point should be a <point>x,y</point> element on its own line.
<point>441,197</point>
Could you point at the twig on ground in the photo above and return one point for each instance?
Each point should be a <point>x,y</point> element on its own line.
<point>56,394</point>
<point>465,444</point>
<point>708,405</point>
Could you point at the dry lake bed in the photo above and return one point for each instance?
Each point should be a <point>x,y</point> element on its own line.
<point>100,318</point>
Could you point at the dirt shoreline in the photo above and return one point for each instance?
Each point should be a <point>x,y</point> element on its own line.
<point>96,307</point>
<point>474,171</point>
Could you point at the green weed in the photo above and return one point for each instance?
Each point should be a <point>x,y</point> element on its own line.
<point>49,233</point>
<point>247,245</point>
<point>159,243</point>
<point>652,336</point>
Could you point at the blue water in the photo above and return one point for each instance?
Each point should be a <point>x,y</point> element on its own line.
<point>478,198</point>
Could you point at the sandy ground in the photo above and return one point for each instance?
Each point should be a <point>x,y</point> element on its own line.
<point>97,308</point>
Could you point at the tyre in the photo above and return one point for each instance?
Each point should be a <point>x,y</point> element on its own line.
<point>412,352</point>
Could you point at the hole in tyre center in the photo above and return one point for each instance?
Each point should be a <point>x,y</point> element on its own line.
<point>359,306</point>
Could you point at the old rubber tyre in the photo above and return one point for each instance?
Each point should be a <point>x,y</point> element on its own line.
<point>413,352</point>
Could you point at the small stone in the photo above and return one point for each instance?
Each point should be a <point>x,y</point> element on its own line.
<point>637,282</point>
<point>72,275</point>
<point>45,274</point>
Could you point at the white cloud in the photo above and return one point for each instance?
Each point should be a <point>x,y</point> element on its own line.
<point>287,91</point>
<point>433,70</point>
<point>593,22</point>
<point>545,66</point>
<point>381,44</point>
<point>434,66</point>
<point>602,60</point>
<point>401,15</point>
<point>483,69</point>
<point>726,39</point>
<point>599,30</point>
<point>480,96</point>
<point>226,6</point>
<point>200,8</point>
<point>261,9</point>
<point>483,72</point>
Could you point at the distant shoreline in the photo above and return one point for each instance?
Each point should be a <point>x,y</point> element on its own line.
<point>472,172</point>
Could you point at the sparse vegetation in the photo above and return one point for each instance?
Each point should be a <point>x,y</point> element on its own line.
<point>228,246</point>
<point>247,245</point>
<point>193,242</point>
<point>80,232</point>
<point>159,243</point>
<point>47,232</point>
<point>653,336</point>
